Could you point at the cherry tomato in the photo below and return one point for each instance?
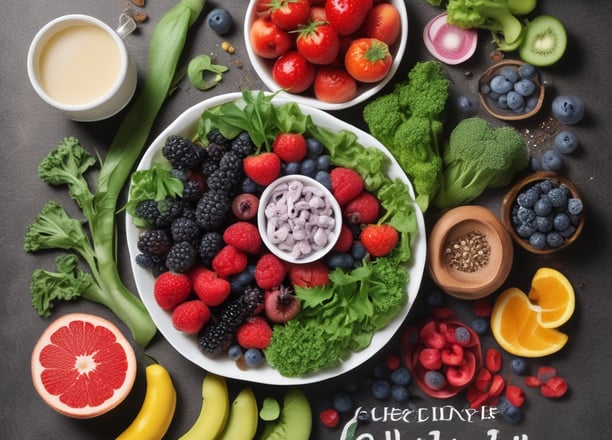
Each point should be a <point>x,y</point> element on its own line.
<point>318,42</point>
<point>268,40</point>
<point>368,60</point>
<point>334,84</point>
<point>346,16</point>
<point>383,22</point>
<point>263,8</point>
<point>293,72</point>
<point>289,14</point>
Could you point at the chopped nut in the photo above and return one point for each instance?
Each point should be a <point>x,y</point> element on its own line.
<point>468,253</point>
<point>140,17</point>
<point>227,47</point>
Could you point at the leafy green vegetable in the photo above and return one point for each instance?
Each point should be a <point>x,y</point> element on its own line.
<point>200,69</point>
<point>409,122</point>
<point>67,164</point>
<point>479,156</point>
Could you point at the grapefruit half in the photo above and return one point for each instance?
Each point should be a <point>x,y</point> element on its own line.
<point>82,366</point>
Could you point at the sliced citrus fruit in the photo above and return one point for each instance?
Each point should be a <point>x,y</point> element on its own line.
<point>553,292</point>
<point>516,327</point>
<point>82,365</point>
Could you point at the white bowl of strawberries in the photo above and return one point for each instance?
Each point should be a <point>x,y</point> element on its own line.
<point>329,54</point>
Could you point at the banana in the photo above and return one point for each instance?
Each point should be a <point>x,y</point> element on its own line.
<point>243,417</point>
<point>214,412</point>
<point>157,411</point>
<point>295,421</point>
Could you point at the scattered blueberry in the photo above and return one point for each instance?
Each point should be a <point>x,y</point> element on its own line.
<point>381,389</point>
<point>400,393</point>
<point>342,402</point>
<point>343,260</point>
<point>435,380</point>
<point>464,104</point>
<point>401,376</point>
<point>518,366</point>
<point>552,161</point>
<point>574,206</point>
<point>436,298</point>
<point>358,250</point>
<point>565,142</point>
<point>480,325</point>
<point>253,357</point>
<point>235,352</point>
<point>380,370</point>
<point>568,109</point>
<point>248,186</point>
<point>220,21</point>
<point>462,335</point>
<point>510,413</point>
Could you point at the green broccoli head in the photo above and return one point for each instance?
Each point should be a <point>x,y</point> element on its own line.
<point>426,92</point>
<point>383,116</point>
<point>479,156</point>
<point>493,15</point>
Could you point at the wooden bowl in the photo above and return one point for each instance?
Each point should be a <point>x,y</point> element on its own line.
<point>490,104</point>
<point>509,201</point>
<point>482,276</point>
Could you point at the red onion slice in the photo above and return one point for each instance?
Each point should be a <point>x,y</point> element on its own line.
<point>448,43</point>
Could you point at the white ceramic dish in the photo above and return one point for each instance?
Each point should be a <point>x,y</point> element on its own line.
<point>187,345</point>
<point>263,67</point>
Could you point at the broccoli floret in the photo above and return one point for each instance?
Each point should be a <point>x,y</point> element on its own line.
<point>479,156</point>
<point>493,15</point>
<point>409,122</point>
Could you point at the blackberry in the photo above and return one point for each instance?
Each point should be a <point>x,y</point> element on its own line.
<point>182,153</point>
<point>212,209</point>
<point>147,261</point>
<point>242,145</point>
<point>210,244</point>
<point>223,180</point>
<point>184,229</point>
<point>231,160</point>
<point>154,242</point>
<point>169,210</point>
<point>181,257</point>
<point>147,211</point>
<point>215,151</point>
<point>215,136</point>
<point>252,298</point>
<point>192,191</point>
<point>208,166</point>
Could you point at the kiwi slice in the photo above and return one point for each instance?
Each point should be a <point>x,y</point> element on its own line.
<point>544,41</point>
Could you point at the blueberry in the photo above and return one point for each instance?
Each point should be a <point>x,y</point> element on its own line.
<point>561,221</point>
<point>543,206</point>
<point>538,240</point>
<point>401,376</point>
<point>535,164</point>
<point>480,325</point>
<point>342,402</point>
<point>544,223</point>
<point>248,186</point>
<point>381,389</point>
<point>308,167</point>
<point>502,102</point>
<point>554,239</point>
<point>253,357</point>
<point>462,335</point>
<point>574,206</point>
<point>545,185</point>
<point>380,370</point>
<point>526,215</point>
<point>530,103</point>
<point>235,352</point>
<point>342,260</point>
<point>552,161</point>
<point>464,103</point>
<point>358,250</point>
<point>525,230</point>
<point>525,87</point>
<point>436,298</point>
<point>568,109</point>
<point>485,89</point>
<point>510,74</point>
<point>568,232</point>
<point>518,365</point>
<point>435,380</point>
<point>500,85</point>
<point>516,102</point>
<point>528,71</point>
<point>527,198</point>
<point>558,197</point>
<point>323,178</point>
<point>565,142</point>
<point>313,147</point>
<point>219,20</point>
<point>291,167</point>
<point>323,162</point>
<point>512,414</point>
<point>400,393</point>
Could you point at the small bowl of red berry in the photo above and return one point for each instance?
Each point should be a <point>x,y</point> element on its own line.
<point>299,219</point>
<point>324,54</point>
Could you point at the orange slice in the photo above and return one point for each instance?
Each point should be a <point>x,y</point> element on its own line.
<point>553,292</point>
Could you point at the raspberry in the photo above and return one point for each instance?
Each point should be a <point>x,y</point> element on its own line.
<point>229,261</point>
<point>554,387</point>
<point>330,417</point>
<point>346,184</point>
<point>290,147</point>
<point>255,332</point>
<point>269,271</point>
<point>211,289</point>
<point>171,289</point>
<point>515,395</point>
<point>190,316</point>
<point>532,381</point>
<point>453,355</point>
<point>244,236</point>
<point>363,209</point>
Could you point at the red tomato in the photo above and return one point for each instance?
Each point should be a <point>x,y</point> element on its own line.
<point>333,84</point>
<point>383,22</point>
<point>317,13</point>
<point>293,72</point>
<point>268,40</point>
<point>368,60</point>
<point>289,14</point>
<point>346,16</point>
<point>262,8</point>
<point>319,43</point>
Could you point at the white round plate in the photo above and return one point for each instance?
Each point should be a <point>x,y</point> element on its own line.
<point>187,345</point>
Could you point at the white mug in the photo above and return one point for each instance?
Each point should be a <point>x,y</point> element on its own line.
<point>81,66</point>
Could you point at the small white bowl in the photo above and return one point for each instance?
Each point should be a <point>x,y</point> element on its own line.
<point>263,67</point>
<point>262,220</point>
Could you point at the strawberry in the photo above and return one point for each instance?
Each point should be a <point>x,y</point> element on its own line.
<point>363,209</point>
<point>497,386</point>
<point>545,372</point>
<point>290,147</point>
<point>493,360</point>
<point>190,316</point>
<point>281,304</point>
<point>269,272</point>
<point>262,168</point>
<point>171,289</point>
<point>379,240</point>
<point>515,395</point>
<point>211,289</point>
<point>229,261</point>
<point>346,184</point>
<point>430,359</point>
<point>255,332</point>
<point>346,16</point>
<point>244,236</point>
<point>554,387</point>
<point>309,275</point>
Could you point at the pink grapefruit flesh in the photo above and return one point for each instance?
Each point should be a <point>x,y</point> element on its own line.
<point>83,366</point>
